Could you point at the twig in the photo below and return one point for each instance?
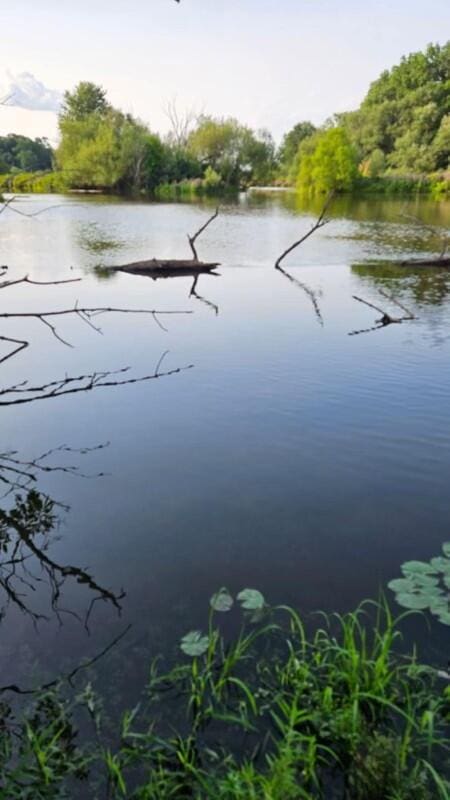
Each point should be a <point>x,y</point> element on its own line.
<point>66,385</point>
<point>320,222</point>
<point>386,318</point>
<point>193,238</point>
<point>70,675</point>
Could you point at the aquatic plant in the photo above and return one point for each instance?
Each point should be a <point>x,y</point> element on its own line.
<point>271,712</point>
<point>426,585</point>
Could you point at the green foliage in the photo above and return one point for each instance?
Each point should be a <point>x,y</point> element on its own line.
<point>87,98</point>
<point>289,147</point>
<point>233,151</point>
<point>426,585</point>
<point>327,161</point>
<point>24,154</point>
<point>270,714</point>
<point>405,114</point>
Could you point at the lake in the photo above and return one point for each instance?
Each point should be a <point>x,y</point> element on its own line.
<point>287,455</point>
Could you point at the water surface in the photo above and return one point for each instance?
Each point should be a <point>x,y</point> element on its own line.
<point>290,457</point>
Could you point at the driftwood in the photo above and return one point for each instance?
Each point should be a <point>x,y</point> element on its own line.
<point>386,318</point>
<point>167,268</point>
<point>173,267</point>
<point>424,262</point>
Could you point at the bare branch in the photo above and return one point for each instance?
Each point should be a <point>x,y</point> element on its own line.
<point>386,318</point>
<point>26,279</point>
<point>320,222</point>
<point>192,239</point>
<point>22,393</point>
<point>22,344</point>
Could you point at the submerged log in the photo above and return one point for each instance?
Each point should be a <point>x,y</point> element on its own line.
<point>171,267</point>
<point>425,262</point>
<point>166,268</point>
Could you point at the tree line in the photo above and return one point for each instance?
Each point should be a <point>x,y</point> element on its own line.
<point>402,128</point>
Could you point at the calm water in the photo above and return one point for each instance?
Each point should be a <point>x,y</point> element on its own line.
<point>292,457</point>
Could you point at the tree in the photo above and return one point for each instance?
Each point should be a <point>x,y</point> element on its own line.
<point>328,162</point>
<point>21,153</point>
<point>403,112</point>
<point>87,98</point>
<point>291,142</point>
<point>232,150</point>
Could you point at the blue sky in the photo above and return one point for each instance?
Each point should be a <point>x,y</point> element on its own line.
<point>269,63</point>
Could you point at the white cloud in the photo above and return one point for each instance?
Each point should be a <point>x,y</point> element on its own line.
<point>26,91</point>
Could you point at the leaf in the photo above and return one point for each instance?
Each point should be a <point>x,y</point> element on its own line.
<point>422,580</point>
<point>439,605</point>
<point>251,599</point>
<point>440,564</point>
<point>446,549</point>
<point>401,585</point>
<point>414,601</point>
<point>444,617</point>
<point>417,567</point>
<point>194,644</point>
<point>222,600</point>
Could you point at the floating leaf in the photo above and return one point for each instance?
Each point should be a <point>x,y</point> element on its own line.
<point>423,581</point>
<point>446,549</point>
<point>417,568</point>
<point>401,585</point>
<point>413,601</point>
<point>439,605</point>
<point>194,643</point>
<point>251,599</point>
<point>222,600</point>
<point>440,564</point>
<point>444,617</point>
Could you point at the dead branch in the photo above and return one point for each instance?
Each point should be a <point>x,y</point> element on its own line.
<point>192,239</point>
<point>320,222</point>
<point>7,204</point>
<point>23,393</point>
<point>70,675</point>
<point>441,235</point>
<point>386,318</point>
<point>85,315</point>
<point>22,344</point>
<point>26,279</point>
<point>181,122</point>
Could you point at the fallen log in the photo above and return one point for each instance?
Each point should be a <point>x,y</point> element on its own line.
<point>167,268</point>
<point>424,262</point>
<point>172,267</point>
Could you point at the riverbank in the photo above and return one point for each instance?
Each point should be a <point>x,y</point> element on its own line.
<point>436,186</point>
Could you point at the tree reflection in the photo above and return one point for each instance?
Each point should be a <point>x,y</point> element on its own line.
<point>29,521</point>
<point>425,286</point>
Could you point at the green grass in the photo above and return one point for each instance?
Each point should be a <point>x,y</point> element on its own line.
<point>269,713</point>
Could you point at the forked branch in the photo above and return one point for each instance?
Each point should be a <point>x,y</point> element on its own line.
<point>386,318</point>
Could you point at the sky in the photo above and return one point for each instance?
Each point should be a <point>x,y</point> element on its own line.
<point>270,63</point>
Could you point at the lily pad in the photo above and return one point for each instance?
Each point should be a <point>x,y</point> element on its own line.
<point>194,643</point>
<point>414,601</point>
<point>423,581</point>
<point>445,618</point>
<point>439,605</point>
<point>417,568</point>
<point>401,585</point>
<point>440,564</point>
<point>446,549</point>
<point>251,599</point>
<point>222,600</point>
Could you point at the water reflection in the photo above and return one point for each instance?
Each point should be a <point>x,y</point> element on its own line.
<point>29,524</point>
<point>423,285</point>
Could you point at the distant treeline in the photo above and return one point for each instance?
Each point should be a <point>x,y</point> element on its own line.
<point>397,141</point>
